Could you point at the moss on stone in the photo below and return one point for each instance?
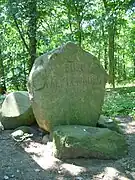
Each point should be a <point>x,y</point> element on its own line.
<point>84,141</point>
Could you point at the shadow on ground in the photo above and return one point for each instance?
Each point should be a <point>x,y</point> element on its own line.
<point>32,160</point>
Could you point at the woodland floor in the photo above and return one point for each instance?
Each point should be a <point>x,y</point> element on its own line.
<point>32,160</point>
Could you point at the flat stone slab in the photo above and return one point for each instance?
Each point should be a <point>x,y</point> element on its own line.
<point>89,142</point>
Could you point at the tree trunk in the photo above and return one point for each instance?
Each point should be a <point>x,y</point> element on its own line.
<point>105,47</point>
<point>32,28</point>
<point>105,57</point>
<point>134,67</point>
<point>99,54</point>
<point>111,35</point>
<point>118,66</point>
<point>3,88</point>
<point>111,55</point>
<point>79,33</point>
<point>124,72</point>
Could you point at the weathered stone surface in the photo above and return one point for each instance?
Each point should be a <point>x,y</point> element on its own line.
<point>66,86</point>
<point>16,110</point>
<point>106,122</point>
<point>72,141</point>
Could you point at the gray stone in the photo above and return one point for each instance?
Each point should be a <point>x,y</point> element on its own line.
<point>26,129</point>
<point>72,141</point>
<point>106,122</point>
<point>23,132</point>
<point>16,110</point>
<point>66,86</point>
<point>45,139</point>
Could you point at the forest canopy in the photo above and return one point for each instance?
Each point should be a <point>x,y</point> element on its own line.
<point>29,28</point>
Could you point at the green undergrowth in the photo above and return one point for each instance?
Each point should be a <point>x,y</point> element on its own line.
<point>119,103</point>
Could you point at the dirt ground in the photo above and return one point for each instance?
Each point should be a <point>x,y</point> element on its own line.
<point>33,160</point>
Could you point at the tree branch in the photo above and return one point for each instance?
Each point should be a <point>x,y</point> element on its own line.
<point>105,4</point>
<point>21,35</point>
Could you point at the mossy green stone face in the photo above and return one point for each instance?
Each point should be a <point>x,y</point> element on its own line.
<point>72,141</point>
<point>66,86</point>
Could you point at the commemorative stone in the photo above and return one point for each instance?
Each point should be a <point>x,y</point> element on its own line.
<point>66,87</point>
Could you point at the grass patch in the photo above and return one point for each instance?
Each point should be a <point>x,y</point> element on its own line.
<point>119,103</point>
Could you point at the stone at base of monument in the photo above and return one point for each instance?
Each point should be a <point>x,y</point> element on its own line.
<point>106,122</point>
<point>74,141</point>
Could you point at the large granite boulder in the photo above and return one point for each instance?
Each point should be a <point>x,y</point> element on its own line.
<point>16,110</point>
<point>72,141</point>
<point>66,86</point>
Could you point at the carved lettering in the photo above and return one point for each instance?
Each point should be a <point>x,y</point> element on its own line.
<point>75,75</point>
<point>76,67</point>
<point>67,82</point>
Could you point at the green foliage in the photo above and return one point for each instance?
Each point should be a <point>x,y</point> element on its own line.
<point>30,28</point>
<point>119,103</point>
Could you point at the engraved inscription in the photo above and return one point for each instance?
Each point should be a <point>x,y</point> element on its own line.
<point>90,80</point>
<point>75,67</point>
<point>75,75</point>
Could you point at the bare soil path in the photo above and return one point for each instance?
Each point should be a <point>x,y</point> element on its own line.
<point>32,160</point>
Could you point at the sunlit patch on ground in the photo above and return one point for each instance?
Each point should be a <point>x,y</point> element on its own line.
<point>36,159</point>
<point>41,153</point>
<point>43,156</point>
<point>111,173</point>
<point>130,127</point>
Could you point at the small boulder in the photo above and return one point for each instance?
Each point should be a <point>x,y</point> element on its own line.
<point>22,132</point>
<point>45,139</point>
<point>26,129</point>
<point>72,141</point>
<point>16,110</point>
<point>106,122</point>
